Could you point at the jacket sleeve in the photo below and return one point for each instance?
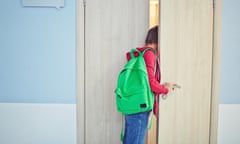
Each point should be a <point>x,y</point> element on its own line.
<point>150,61</point>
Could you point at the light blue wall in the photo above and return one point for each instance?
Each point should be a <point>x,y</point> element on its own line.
<point>37,74</point>
<point>230,58</point>
<point>229,108</point>
<point>37,53</point>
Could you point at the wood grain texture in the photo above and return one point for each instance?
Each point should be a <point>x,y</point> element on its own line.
<point>186,58</point>
<point>151,137</point>
<point>113,27</point>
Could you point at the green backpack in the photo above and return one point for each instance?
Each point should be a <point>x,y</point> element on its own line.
<point>133,92</point>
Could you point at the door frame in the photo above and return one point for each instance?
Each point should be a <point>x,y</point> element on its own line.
<point>216,63</point>
<point>80,72</point>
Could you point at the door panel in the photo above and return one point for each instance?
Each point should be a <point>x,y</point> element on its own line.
<point>186,58</point>
<point>113,27</point>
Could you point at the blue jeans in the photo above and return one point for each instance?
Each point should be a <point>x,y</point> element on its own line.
<point>135,128</point>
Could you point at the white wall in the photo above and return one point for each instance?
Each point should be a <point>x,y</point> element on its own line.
<point>229,127</point>
<point>37,123</point>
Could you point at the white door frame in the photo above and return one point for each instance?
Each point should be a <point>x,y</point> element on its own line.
<point>80,71</point>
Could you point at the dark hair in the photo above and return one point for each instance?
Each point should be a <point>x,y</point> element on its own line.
<point>152,36</point>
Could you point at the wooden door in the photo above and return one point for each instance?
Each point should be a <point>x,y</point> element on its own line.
<point>186,30</point>
<point>112,28</point>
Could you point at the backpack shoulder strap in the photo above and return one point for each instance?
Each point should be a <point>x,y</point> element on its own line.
<point>132,52</point>
<point>154,51</point>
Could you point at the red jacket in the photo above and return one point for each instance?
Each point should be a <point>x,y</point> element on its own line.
<point>154,79</point>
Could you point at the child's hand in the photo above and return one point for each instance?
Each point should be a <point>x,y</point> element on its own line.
<point>171,86</point>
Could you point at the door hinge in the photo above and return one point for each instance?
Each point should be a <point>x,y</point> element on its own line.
<point>214,3</point>
<point>84,3</point>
